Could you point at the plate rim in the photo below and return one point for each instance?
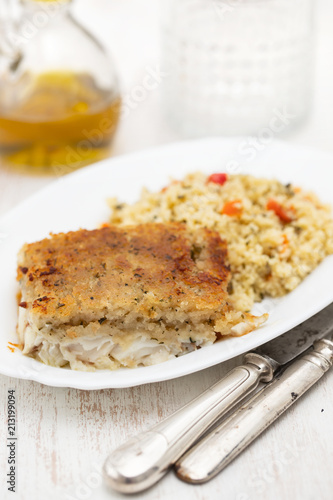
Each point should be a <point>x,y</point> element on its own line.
<point>156,150</point>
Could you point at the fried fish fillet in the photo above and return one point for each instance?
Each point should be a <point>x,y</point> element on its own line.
<point>125,296</point>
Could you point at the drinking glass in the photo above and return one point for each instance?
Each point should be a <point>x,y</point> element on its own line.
<point>237,66</point>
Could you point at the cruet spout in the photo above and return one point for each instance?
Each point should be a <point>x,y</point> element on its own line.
<point>10,52</point>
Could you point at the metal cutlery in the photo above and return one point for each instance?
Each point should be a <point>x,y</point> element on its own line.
<point>216,450</point>
<point>145,458</point>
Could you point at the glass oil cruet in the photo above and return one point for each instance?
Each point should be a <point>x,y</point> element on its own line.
<point>59,95</point>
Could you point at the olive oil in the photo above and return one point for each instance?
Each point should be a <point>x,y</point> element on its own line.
<point>59,122</point>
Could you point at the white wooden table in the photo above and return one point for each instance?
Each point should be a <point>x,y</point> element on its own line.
<point>64,435</point>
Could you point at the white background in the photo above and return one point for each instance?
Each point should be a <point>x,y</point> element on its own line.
<point>64,434</point>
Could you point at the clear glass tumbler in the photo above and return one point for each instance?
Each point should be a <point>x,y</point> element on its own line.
<point>237,66</point>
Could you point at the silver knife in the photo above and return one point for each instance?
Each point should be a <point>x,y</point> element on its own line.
<point>144,459</point>
<point>220,446</point>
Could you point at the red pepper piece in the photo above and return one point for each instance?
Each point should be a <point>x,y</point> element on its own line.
<point>218,178</point>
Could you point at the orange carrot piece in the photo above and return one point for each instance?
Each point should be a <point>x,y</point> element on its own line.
<point>279,211</point>
<point>232,208</point>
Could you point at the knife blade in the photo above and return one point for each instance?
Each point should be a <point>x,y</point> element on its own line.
<point>220,446</point>
<point>288,346</point>
<point>144,459</point>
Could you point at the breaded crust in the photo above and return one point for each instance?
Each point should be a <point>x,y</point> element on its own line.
<point>152,270</point>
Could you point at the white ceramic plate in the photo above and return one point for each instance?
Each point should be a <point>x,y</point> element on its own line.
<point>79,201</point>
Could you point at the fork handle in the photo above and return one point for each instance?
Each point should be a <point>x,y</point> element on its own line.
<point>229,439</point>
<point>144,459</point>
